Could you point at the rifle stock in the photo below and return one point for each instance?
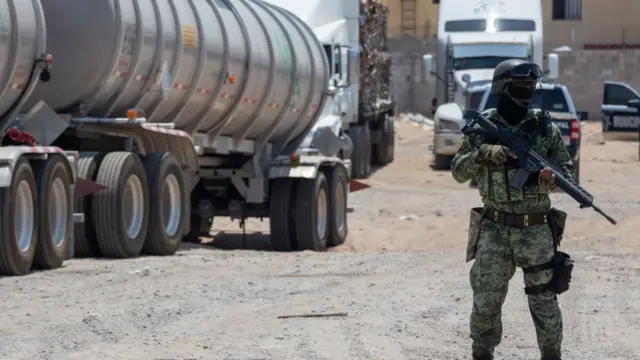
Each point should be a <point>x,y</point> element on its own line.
<point>530,161</point>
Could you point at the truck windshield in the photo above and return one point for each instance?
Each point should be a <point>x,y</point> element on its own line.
<point>547,99</point>
<point>480,62</point>
<point>480,25</point>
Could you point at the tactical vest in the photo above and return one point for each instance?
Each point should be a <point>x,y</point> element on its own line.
<point>493,182</point>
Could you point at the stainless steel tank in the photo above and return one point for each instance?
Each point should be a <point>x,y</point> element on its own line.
<point>238,68</point>
<point>22,43</point>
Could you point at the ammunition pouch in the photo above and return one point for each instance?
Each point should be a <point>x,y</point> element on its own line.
<point>562,266</point>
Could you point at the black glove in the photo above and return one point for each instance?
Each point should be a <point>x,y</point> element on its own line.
<point>497,154</point>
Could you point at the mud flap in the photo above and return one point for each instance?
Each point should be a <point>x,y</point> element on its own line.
<point>355,185</point>
<point>87,187</point>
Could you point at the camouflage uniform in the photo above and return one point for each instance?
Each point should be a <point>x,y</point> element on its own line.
<point>501,248</point>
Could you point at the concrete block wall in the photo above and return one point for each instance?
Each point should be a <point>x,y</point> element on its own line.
<point>585,71</point>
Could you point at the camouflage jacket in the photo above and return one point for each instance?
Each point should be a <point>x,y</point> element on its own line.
<point>492,179</point>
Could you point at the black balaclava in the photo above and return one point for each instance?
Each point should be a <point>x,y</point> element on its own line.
<point>509,110</point>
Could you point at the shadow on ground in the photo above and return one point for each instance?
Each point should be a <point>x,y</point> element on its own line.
<point>258,241</point>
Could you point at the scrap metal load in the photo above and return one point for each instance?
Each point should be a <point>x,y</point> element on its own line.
<point>375,59</point>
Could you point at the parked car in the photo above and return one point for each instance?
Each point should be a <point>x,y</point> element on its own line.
<point>556,99</point>
<point>620,117</point>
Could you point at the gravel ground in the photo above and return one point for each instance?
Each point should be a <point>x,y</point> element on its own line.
<point>401,279</point>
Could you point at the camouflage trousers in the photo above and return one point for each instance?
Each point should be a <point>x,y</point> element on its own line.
<point>499,251</point>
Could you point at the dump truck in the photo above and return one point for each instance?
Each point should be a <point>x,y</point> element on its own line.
<point>354,36</point>
<point>129,125</point>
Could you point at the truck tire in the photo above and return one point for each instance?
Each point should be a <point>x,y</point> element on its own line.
<point>361,157</point>
<point>85,242</point>
<point>338,195</point>
<point>121,212</point>
<point>18,202</point>
<point>166,204</point>
<point>384,152</point>
<point>55,212</point>
<point>311,213</point>
<point>280,215</point>
<point>442,162</point>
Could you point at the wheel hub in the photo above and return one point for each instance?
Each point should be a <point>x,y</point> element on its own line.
<point>58,212</point>
<point>23,217</point>
<point>171,205</point>
<point>133,203</point>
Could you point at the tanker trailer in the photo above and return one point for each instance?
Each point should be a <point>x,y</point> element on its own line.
<point>184,111</point>
<point>37,183</point>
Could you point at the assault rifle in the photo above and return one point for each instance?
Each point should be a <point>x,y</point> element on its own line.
<point>530,161</point>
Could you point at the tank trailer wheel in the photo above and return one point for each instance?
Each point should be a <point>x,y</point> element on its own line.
<point>166,201</point>
<point>361,156</point>
<point>311,213</point>
<point>338,195</point>
<point>121,212</point>
<point>18,221</point>
<point>55,212</point>
<point>280,215</point>
<point>86,244</point>
<point>384,152</point>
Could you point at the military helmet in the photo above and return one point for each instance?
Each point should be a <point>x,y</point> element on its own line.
<point>517,79</point>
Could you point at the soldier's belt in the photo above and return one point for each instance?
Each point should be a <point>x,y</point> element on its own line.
<point>515,220</point>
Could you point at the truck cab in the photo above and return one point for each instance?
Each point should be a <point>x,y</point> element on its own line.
<point>474,36</point>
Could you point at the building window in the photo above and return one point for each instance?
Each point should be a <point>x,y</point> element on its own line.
<point>567,9</point>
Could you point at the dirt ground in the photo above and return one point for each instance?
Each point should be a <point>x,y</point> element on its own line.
<point>400,281</point>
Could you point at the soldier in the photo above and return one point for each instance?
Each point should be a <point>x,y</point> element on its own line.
<point>512,229</point>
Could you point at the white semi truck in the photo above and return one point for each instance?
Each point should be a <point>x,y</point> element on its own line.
<point>142,120</point>
<point>354,35</point>
<point>474,36</point>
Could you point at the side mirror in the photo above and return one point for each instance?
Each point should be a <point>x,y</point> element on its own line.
<point>582,115</point>
<point>466,78</point>
<point>634,103</point>
<point>553,66</point>
<point>427,67</point>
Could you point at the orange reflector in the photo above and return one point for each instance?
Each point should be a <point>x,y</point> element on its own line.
<point>355,185</point>
<point>131,114</point>
<point>232,79</point>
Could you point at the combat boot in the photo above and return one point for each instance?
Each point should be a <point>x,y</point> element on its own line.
<point>483,357</point>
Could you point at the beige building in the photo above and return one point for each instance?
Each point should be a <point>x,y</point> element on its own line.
<point>567,22</point>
